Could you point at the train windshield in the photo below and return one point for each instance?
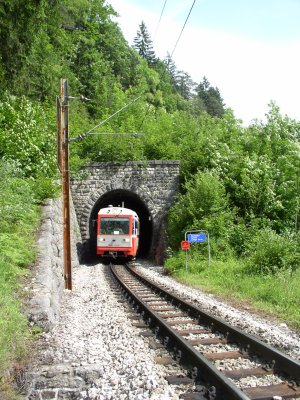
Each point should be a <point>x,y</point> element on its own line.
<point>114,226</point>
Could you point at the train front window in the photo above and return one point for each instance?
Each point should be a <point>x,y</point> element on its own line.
<point>114,226</point>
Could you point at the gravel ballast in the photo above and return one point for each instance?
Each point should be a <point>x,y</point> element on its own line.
<point>275,333</point>
<point>94,352</point>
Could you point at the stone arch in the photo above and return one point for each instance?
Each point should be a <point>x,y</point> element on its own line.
<point>153,184</point>
<point>115,195</point>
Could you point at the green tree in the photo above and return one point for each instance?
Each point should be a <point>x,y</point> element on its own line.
<point>26,136</point>
<point>184,84</point>
<point>143,44</point>
<point>211,98</point>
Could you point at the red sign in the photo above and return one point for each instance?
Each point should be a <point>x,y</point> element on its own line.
<point>185,245</point>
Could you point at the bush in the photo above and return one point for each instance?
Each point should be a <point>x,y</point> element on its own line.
<point>26,136</point>
<point>19,216</point>
<point>204,206</point>
<point>270,252</point>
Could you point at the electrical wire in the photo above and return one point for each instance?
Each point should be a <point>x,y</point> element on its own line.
<point>146,113</point>
<point>83,135</point>
<point>157,26</point>
<point>161,14</point>
<point>183,28</point>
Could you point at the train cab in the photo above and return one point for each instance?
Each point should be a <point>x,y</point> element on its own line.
<point>117,232</point>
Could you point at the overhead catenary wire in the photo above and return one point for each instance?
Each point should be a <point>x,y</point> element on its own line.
<point>155,33</point>
<point>85,134</point>
<point>161,14</point>
<point>116,134</point>
<point>183,28</point>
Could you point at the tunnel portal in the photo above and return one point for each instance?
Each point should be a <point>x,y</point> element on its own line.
<point>128,200</point>
<point>147,187</point>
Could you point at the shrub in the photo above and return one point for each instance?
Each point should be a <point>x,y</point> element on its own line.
<point>204,206</point>
<point>19,217</point>
<point>26,136</point>
<point>270,252</point>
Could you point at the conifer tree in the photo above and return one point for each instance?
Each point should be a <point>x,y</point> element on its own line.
<point>184,84</point>
<point>171,68</point>
<point>144,45</point>
<point>211,98</point>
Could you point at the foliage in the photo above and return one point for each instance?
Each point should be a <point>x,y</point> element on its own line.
<point>257,170</point>
<point>251,174</point>
<point>203,206</point>
<point>26,137</point>
<point>18,221</point>
<point>269,252</point>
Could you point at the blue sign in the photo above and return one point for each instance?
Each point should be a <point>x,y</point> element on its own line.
<point>197,237</point>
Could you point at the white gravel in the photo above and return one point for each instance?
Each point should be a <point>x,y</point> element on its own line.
<point>95,333</point>
<point>275,334</point>
<point>97,354</point>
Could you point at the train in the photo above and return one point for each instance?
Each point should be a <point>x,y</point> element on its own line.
<point>117,233</point>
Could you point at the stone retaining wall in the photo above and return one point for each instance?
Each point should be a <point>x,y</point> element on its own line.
<point>47,283</point>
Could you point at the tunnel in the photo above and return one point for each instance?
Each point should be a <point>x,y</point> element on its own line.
<point>129,200</point>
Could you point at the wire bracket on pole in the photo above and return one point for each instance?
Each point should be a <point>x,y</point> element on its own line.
<point>85,134</point>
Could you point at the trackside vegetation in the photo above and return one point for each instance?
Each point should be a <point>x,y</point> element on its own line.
<point>239,183</point>
<point>18,223</point>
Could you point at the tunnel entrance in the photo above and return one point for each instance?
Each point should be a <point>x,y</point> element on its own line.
<point>128,200</point>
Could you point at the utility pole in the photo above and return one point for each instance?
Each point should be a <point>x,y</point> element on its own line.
<point>63,140</point>
<point>62,104</point>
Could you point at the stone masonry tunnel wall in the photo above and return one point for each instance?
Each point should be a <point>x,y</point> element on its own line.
<point>149,187</point>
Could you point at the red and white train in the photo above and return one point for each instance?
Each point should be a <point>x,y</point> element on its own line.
<point>117,232</point>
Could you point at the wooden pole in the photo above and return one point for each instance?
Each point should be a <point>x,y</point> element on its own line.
<point>64,148</point>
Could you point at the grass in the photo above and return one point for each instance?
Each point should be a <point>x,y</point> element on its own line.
<point>19,218</point>
<point>277,294</point>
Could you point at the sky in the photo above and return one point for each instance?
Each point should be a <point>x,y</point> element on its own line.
<point>249,49</point>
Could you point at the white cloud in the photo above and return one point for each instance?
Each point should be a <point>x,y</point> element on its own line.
<point>248,72</point>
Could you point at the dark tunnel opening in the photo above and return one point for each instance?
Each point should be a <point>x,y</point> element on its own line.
<point>129,200</point>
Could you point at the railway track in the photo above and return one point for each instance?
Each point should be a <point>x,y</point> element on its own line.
<point>221,361</point>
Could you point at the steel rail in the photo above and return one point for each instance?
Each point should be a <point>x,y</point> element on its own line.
<point>201,369</point>
<point>253,345</point>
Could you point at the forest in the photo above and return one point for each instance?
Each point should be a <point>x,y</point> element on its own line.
<point>239,183</point>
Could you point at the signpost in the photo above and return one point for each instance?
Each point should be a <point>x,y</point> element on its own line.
<point>185,245</point>
<point>195,236</point>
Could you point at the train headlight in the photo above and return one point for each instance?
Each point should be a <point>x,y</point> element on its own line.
<point>126,240</point>
<point>102,239</point>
